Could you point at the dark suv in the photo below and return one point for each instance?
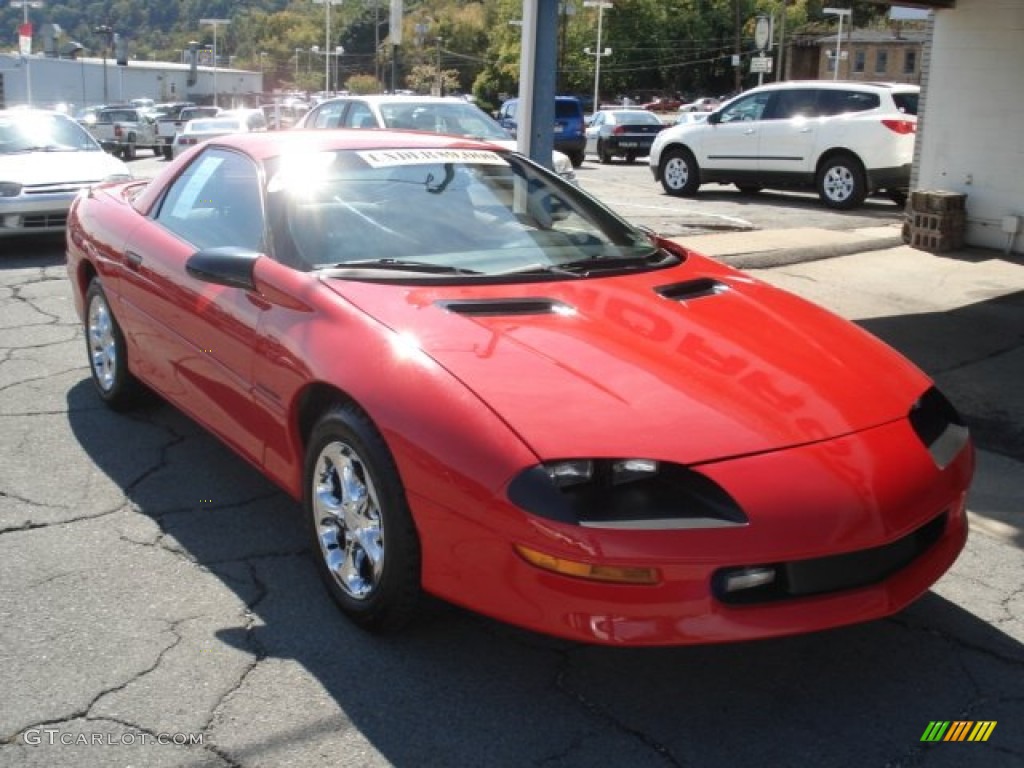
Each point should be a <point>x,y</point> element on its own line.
<point>569,136</point>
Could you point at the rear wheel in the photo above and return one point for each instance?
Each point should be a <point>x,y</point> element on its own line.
<point>108,355</point>
<point>167,151</point>
<point>602,154</point>
<point>576,158</point>
<point>680,175</point>
<point>364,540</point>
<point>841,182</point>
<point>631,157</point>
<point>128,152</point>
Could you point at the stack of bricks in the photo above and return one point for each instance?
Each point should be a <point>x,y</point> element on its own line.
<point>936,220</point>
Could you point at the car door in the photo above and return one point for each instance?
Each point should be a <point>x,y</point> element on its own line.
<point>789,135</point>
<point>198,339</point>
<point>731,142</point>
<point>593,132</point>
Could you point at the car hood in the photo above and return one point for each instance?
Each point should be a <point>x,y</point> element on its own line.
<point>44,168</point>
<point>668,364</point>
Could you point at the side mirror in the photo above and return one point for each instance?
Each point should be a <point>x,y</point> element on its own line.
<point>228,266</point>
<point>715,118</point>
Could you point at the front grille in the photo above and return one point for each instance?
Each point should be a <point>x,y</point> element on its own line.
<point>834,573</point>
<point>44,220</point>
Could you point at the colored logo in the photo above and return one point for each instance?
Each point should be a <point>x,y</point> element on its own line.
<point>959,730</point>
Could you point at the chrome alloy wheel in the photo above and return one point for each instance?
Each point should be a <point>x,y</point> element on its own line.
<point>102,343</point>
<point>838,183</point>
<point>348,521</point>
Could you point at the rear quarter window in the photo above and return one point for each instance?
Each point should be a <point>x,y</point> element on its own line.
<point>840,102</point>
<point>906,102</point>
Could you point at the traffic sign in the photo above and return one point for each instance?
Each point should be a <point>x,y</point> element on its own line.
<point>760,64</point>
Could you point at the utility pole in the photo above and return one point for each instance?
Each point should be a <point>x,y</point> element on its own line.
<point>26,47</point>
<point>215,23</point>
<point>599,52</point>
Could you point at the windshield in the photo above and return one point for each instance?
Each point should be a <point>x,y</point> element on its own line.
<point>33,132</point>
<point>435,211</point>
<point>455,118</point>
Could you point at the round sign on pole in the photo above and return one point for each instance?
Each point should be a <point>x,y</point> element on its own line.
<point>762,32</point>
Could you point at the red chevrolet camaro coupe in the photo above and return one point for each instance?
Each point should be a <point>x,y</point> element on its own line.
<point>484,385</point>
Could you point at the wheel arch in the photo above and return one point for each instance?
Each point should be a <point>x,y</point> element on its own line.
<point>833,152</point>
<point>669,149</point>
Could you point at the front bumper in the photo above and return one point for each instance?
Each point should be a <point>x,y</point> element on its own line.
<point>35,214</point>
<point>850,499</point>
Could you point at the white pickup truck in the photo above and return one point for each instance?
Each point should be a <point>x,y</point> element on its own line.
<point>172,121</point>
<point>123,130</point>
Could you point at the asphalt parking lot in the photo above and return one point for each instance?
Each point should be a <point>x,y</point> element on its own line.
<point>158,606</point>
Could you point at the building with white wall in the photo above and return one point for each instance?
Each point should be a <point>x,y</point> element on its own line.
<point>970,137</point>
<point>45,81</point>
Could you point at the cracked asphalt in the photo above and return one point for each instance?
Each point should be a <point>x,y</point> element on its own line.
<point>151,583</point>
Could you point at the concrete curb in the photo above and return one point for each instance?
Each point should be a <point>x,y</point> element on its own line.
<point>774,248</point>
<point>780,258</point>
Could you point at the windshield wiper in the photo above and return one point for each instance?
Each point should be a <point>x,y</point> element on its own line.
<point>404,265</point>
<point>585,267</point>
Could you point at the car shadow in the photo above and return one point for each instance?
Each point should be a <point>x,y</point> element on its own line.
<point>32,251</point>
<point>459,689</point>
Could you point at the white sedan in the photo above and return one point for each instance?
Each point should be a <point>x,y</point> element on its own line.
<point>46,158</point>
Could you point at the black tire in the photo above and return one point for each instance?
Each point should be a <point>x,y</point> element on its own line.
<point>108,354</point>
<point>749,189</point>
<point>167,152</point>
<point>680,174</point>
<point>842,182</point>
<point>603,156</point>
<point>128,153</point>
<point>898,196</point>
<point>350,479</point>
<point>630,157</point>
<point>576,158</point>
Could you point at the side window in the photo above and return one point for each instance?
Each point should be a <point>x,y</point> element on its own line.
<point>749,108</point>
<point>859,60</point>
<point>329,115</point>
<point>216,203</point>
<point>359,116</point>
<point>797,102</point>
<point>910,62</point>
<point>838,102</point>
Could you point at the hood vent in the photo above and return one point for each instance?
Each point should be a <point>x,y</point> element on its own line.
<point>505,307</point>
<point>692,289</point>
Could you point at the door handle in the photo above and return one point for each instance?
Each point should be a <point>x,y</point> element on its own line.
<point>132,260</point>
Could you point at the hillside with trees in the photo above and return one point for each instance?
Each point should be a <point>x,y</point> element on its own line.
<point>683,47</point>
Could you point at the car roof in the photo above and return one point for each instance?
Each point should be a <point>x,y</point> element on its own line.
<point>839,84</point>
<point>265,145</point>
<point>398,98</point>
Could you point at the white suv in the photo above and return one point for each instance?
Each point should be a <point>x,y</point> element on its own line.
<point>845,139</point>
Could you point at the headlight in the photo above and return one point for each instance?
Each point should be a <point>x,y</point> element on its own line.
<point>634,493</point>
<point>939,427</point>
<point>10,189</point>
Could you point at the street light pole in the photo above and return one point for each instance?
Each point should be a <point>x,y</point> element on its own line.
<point>327,41</point>
<point>107,32</point>
<point>27,51</point>
<point>600,5</point>
<point>840,12</point>
<point>216,23</point>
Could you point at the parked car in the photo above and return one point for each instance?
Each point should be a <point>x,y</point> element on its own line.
<point>703,104</point>
<point>483,384</point>
<point>436,114</point>
<point>625,133</point>
<point>569,125</point>
<point>688,118</point>
<point>173,119</point>
<point>46,159</point>
<point>662,104</point>
<point>203,128</point>
<point>844,139</point>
